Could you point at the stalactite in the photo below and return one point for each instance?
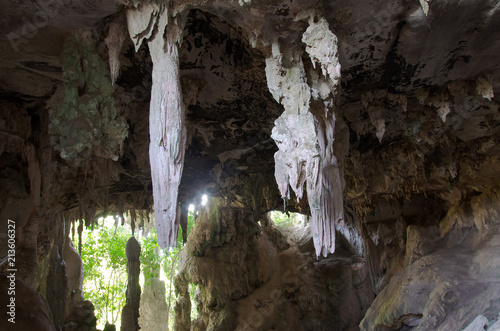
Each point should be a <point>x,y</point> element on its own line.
<point>184,221</point>
<point>90,211</point>
<point>121,207</point>
<point>133,218</point>
<point>141,224</point>
<point>34,173</point>
<point>162,27</point>
<point>305,132</point>
<point>80,230</point>
<point>114,41</point>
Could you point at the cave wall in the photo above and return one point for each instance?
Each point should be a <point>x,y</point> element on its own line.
<point>395,141</point>
<point>252,277</point>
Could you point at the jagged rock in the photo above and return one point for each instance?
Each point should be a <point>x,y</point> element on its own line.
<point>419,242</point>
<point>83,118</point>
<point>305,139</point>
<point>424,295</point>
<point>265,285</point>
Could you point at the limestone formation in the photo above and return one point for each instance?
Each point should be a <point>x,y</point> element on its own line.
<point>377,120</point>
<point>153,306</point>
<point>167,129</point>
<point>84,120</point>
<point>266,283</point>
<point>57,283</point>
<point>130,312</point>
<point>441,278</point>
<point>305,135</point>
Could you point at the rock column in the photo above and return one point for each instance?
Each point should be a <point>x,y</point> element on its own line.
<point>130,312</point>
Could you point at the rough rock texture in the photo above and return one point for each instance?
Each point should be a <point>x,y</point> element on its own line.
<point>79,312</point>
<point>83,120</point>
<point>452,285</point>
<point>167,128</point>
<point>130,312</point>
<point>153,306</point>
<point>32,311</point>
<point>57,286</point>
<point>403,130</point>
<point>305,134</point>
<point>267,283</point>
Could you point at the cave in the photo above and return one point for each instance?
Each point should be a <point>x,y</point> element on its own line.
<point>375,122</point>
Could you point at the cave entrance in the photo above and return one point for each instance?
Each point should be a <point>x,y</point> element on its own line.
<point>288,219</point>
<point>292,225</point>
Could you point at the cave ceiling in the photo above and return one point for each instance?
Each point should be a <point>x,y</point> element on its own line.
<point>418,93</point>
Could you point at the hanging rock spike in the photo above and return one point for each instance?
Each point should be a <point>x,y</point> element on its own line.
<point>167,128</point>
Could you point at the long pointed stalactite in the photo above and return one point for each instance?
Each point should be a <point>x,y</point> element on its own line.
<point>162,27</point>
<point>306,131</point>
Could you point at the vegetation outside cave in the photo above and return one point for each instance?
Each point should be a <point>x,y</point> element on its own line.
<point>105,275</point>
<point>289,223</point>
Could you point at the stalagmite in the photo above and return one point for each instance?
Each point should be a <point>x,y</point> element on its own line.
<point>162,28</point>
<point>305,132</point>
<point>153,309</point>
<point>130,312</point>
<point>57,284</point>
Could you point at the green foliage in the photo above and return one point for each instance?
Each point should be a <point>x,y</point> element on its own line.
<point>151,256</point>
<point>105,279</point>
<point>104,263</point>
<point>286,220</point>
<point>192,293</point>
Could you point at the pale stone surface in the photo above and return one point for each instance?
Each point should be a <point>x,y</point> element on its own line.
<point>153,308</point>
<point>495,326</point>
<point>477,324</point>
<point>167,128</point>
<point>305,135</point>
